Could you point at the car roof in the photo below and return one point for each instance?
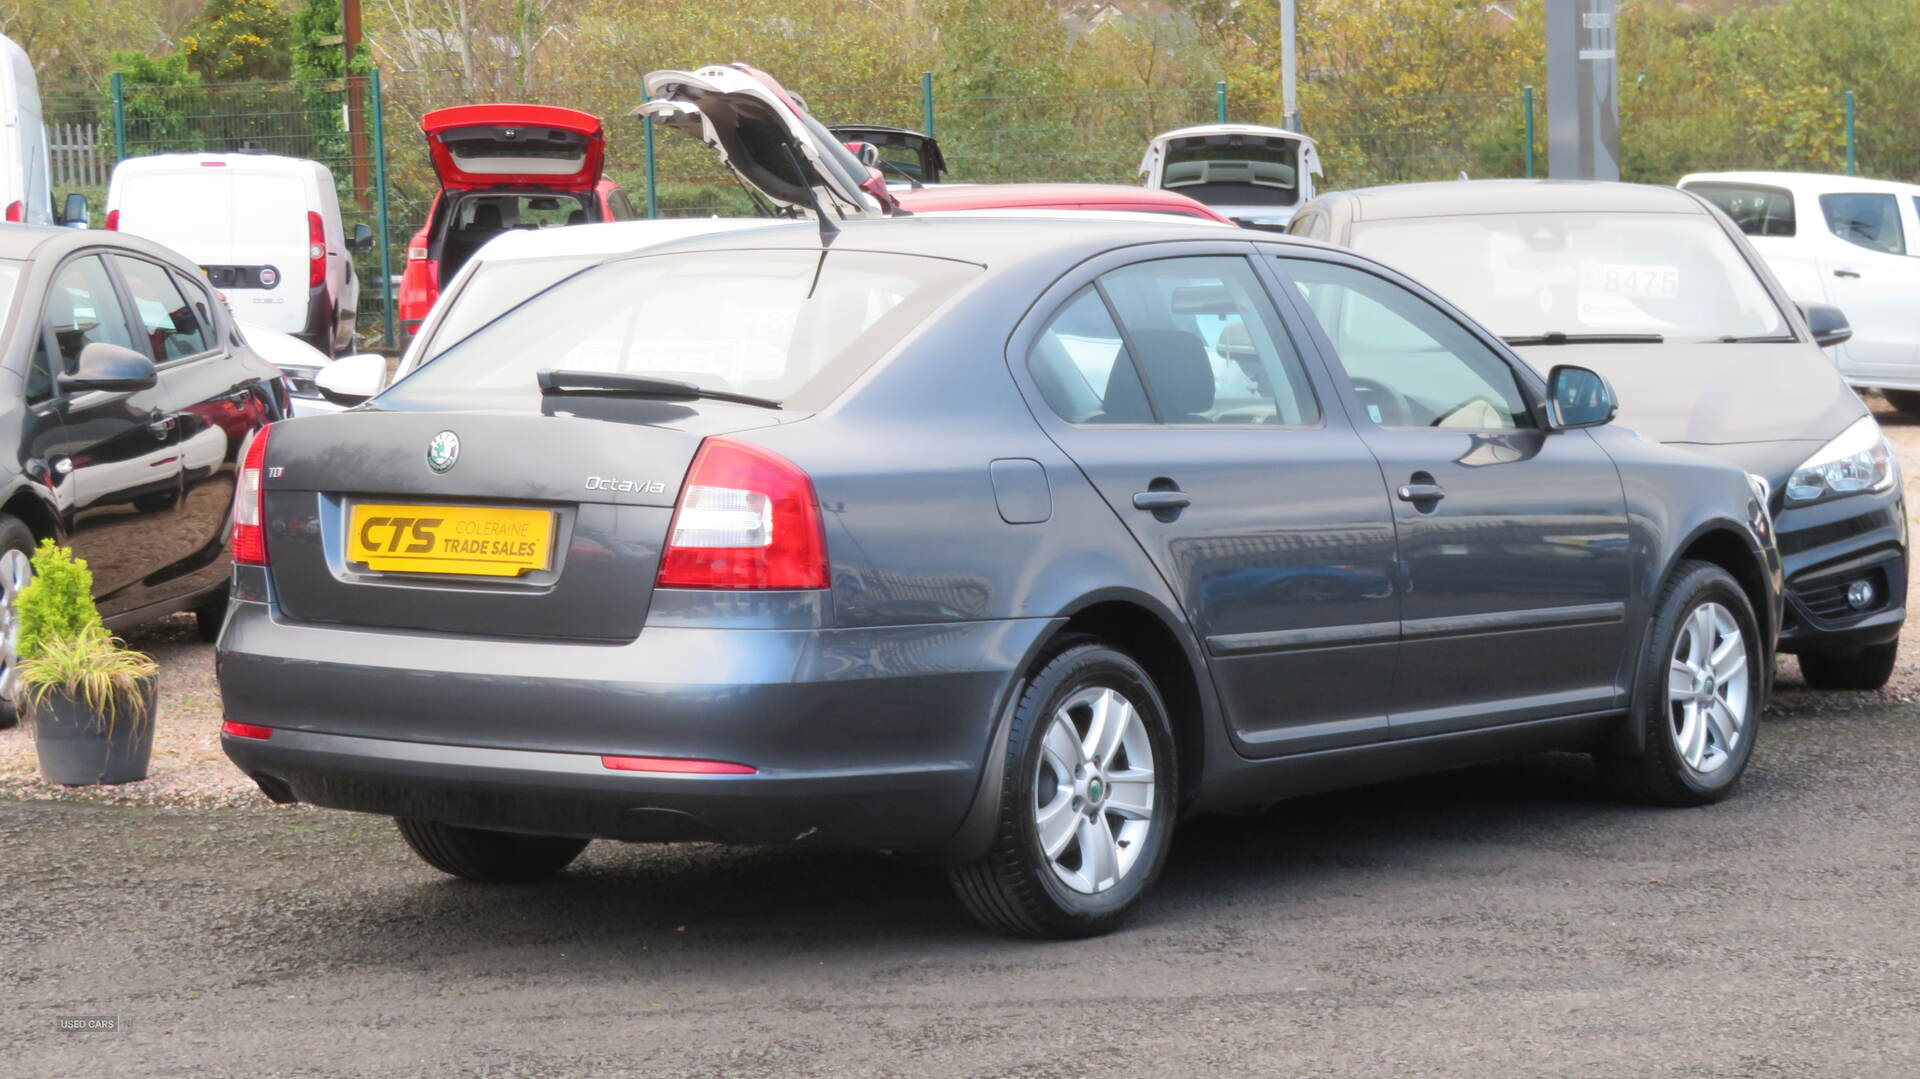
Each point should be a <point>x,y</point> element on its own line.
<point>46,241</point>
<point>985,240</point>
<point>608,238</point>
<point>256,162</point>
<point>1455,197</point>
<point>1810,182</point>
<point>1030,196</point>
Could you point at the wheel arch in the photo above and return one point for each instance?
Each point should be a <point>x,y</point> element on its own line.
<point>32,510</point>
<point>1159,639</point>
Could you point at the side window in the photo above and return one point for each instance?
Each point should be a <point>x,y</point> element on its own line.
<point>1209,343</point>
<point>173,329</point>
<point>40,371</point>
<point>1083,369</point>
<point>200,303</point>
<point>83,309</point>
<point>618,203</point>
<point>1314,226</point>
<point>1869,221</point>
<point>1758,210</point>
<point>1411,365</point>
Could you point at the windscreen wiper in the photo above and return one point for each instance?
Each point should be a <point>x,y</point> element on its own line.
<point>1555,337</point>
<point>552,382</point>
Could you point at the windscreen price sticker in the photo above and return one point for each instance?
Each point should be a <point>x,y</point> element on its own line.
<point>1632,281</point>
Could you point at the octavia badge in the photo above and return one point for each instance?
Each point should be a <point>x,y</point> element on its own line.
<point>443,451</point>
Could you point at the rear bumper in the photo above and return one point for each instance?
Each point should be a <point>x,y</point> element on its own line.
<point>860,737</point>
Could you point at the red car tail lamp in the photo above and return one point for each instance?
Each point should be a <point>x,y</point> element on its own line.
<point>113,221</point>
<point>676,765</point>
<point>747,518</point>
<point>316,251</point>
<point>246,730</point>
<point>16,211</point>
<point>250,504</point>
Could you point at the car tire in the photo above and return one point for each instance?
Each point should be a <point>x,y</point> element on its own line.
<point>1692,752</point>
<point>491,857</point>
<point>209,617</point>
<point>16,569</point>
<point>1867,668</point>
<point>1090,712</point>
<point>1905,400</point>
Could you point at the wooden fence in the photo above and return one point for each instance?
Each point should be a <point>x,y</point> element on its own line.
<point>76,156</point>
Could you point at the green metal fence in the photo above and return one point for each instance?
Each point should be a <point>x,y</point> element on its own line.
<point>366,129</point>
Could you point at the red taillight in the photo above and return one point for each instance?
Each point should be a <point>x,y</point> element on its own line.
<point>16,210</point>
<point>113,221</point>
<point>746,518</point>
<point>249,505</point>
<point>678,765</point>
<point>316,251</point>
<point>245,730</point>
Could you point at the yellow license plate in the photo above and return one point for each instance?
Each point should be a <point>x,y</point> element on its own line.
<point>482,540</point>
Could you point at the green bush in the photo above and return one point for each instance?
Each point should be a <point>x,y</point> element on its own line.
<point>57,605</point>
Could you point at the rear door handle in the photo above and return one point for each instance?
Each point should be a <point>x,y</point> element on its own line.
<point>1161,500</point>
<point>1854,274</point>
<point>161,428</point>
<point>1421,492</point>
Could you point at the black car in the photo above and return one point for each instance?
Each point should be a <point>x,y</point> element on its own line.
<point>1660,292</point>
<point>1008,542</point>
<point>127,401</point>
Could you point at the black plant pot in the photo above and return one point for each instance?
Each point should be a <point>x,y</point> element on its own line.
<point>78,746</point>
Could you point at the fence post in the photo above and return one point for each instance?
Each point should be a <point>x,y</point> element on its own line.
<point>1220,101</point>
<point>926,102</point>
<point>1852,169</point>
<point>119,121</point>
<point>1526,103</point>
<point>646,140</point>
<point>380,193</point>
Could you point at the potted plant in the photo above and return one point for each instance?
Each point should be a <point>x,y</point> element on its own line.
<point>91,698</point>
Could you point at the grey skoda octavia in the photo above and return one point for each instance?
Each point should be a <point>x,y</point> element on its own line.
<point>1008,543</point>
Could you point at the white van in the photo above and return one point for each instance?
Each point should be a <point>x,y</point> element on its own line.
<point>26,181</point>
<point>266,230</point>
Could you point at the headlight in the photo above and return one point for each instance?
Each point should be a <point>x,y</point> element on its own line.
<point>1858,460</point>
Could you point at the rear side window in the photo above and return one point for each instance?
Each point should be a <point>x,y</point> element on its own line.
<point>1209,343</point>
<point>1758,210</point>
<point>1869,221</point>
<point>620,206</point>
<point>768,323</point>
<point>1082,367</point>
<point>173,329</point>
<point>82,309</point>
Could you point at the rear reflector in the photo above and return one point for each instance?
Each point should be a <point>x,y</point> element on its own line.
<point>213,164</point>
<point>249,504</point>
<point>416,254</point>
<point>245,730</point>
<point>676,764</point>
<point>113,221</point>
<point>747,518</point>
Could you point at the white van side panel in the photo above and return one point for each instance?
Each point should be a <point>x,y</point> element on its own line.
<point>25,171</point>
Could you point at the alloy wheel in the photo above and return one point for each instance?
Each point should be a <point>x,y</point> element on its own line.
<point>1708,684</point>
<point>1094,795</point>
<point>16,569</point>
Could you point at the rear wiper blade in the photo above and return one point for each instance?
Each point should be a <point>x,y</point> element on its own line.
<point>1555,337</point>
<point>554,381</point>
<point>1732,339</point>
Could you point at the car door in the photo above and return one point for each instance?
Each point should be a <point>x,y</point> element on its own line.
<point>1512,540</point>
<point>1175,386</point>
<point>117,460</point>
<point>212,404</point>
<point>1873,276</point>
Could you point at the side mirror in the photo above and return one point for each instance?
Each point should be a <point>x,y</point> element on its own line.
<point>350,380</point>
<point>867,152</point>
<point>362,239</point>
<point>1827,323</point>
<point>74,214</point>
<point>1577,397</point>
<point>110,367</point>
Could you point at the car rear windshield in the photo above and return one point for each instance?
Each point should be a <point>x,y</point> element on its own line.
<point>1677,275</point>
<point>765,323</point>
<point>1234,170</point>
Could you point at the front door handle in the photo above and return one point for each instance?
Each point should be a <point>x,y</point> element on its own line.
<point>1421,492</point>
<point>1852,274</point>
<point>1161,501</point>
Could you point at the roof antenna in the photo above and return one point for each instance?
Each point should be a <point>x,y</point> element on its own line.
<point>828,230</point>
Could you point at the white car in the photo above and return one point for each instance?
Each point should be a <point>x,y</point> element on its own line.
<point>1841,240</point>
<point>265,230</point>
<point>1254,174</point>
<point>296,359</point>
